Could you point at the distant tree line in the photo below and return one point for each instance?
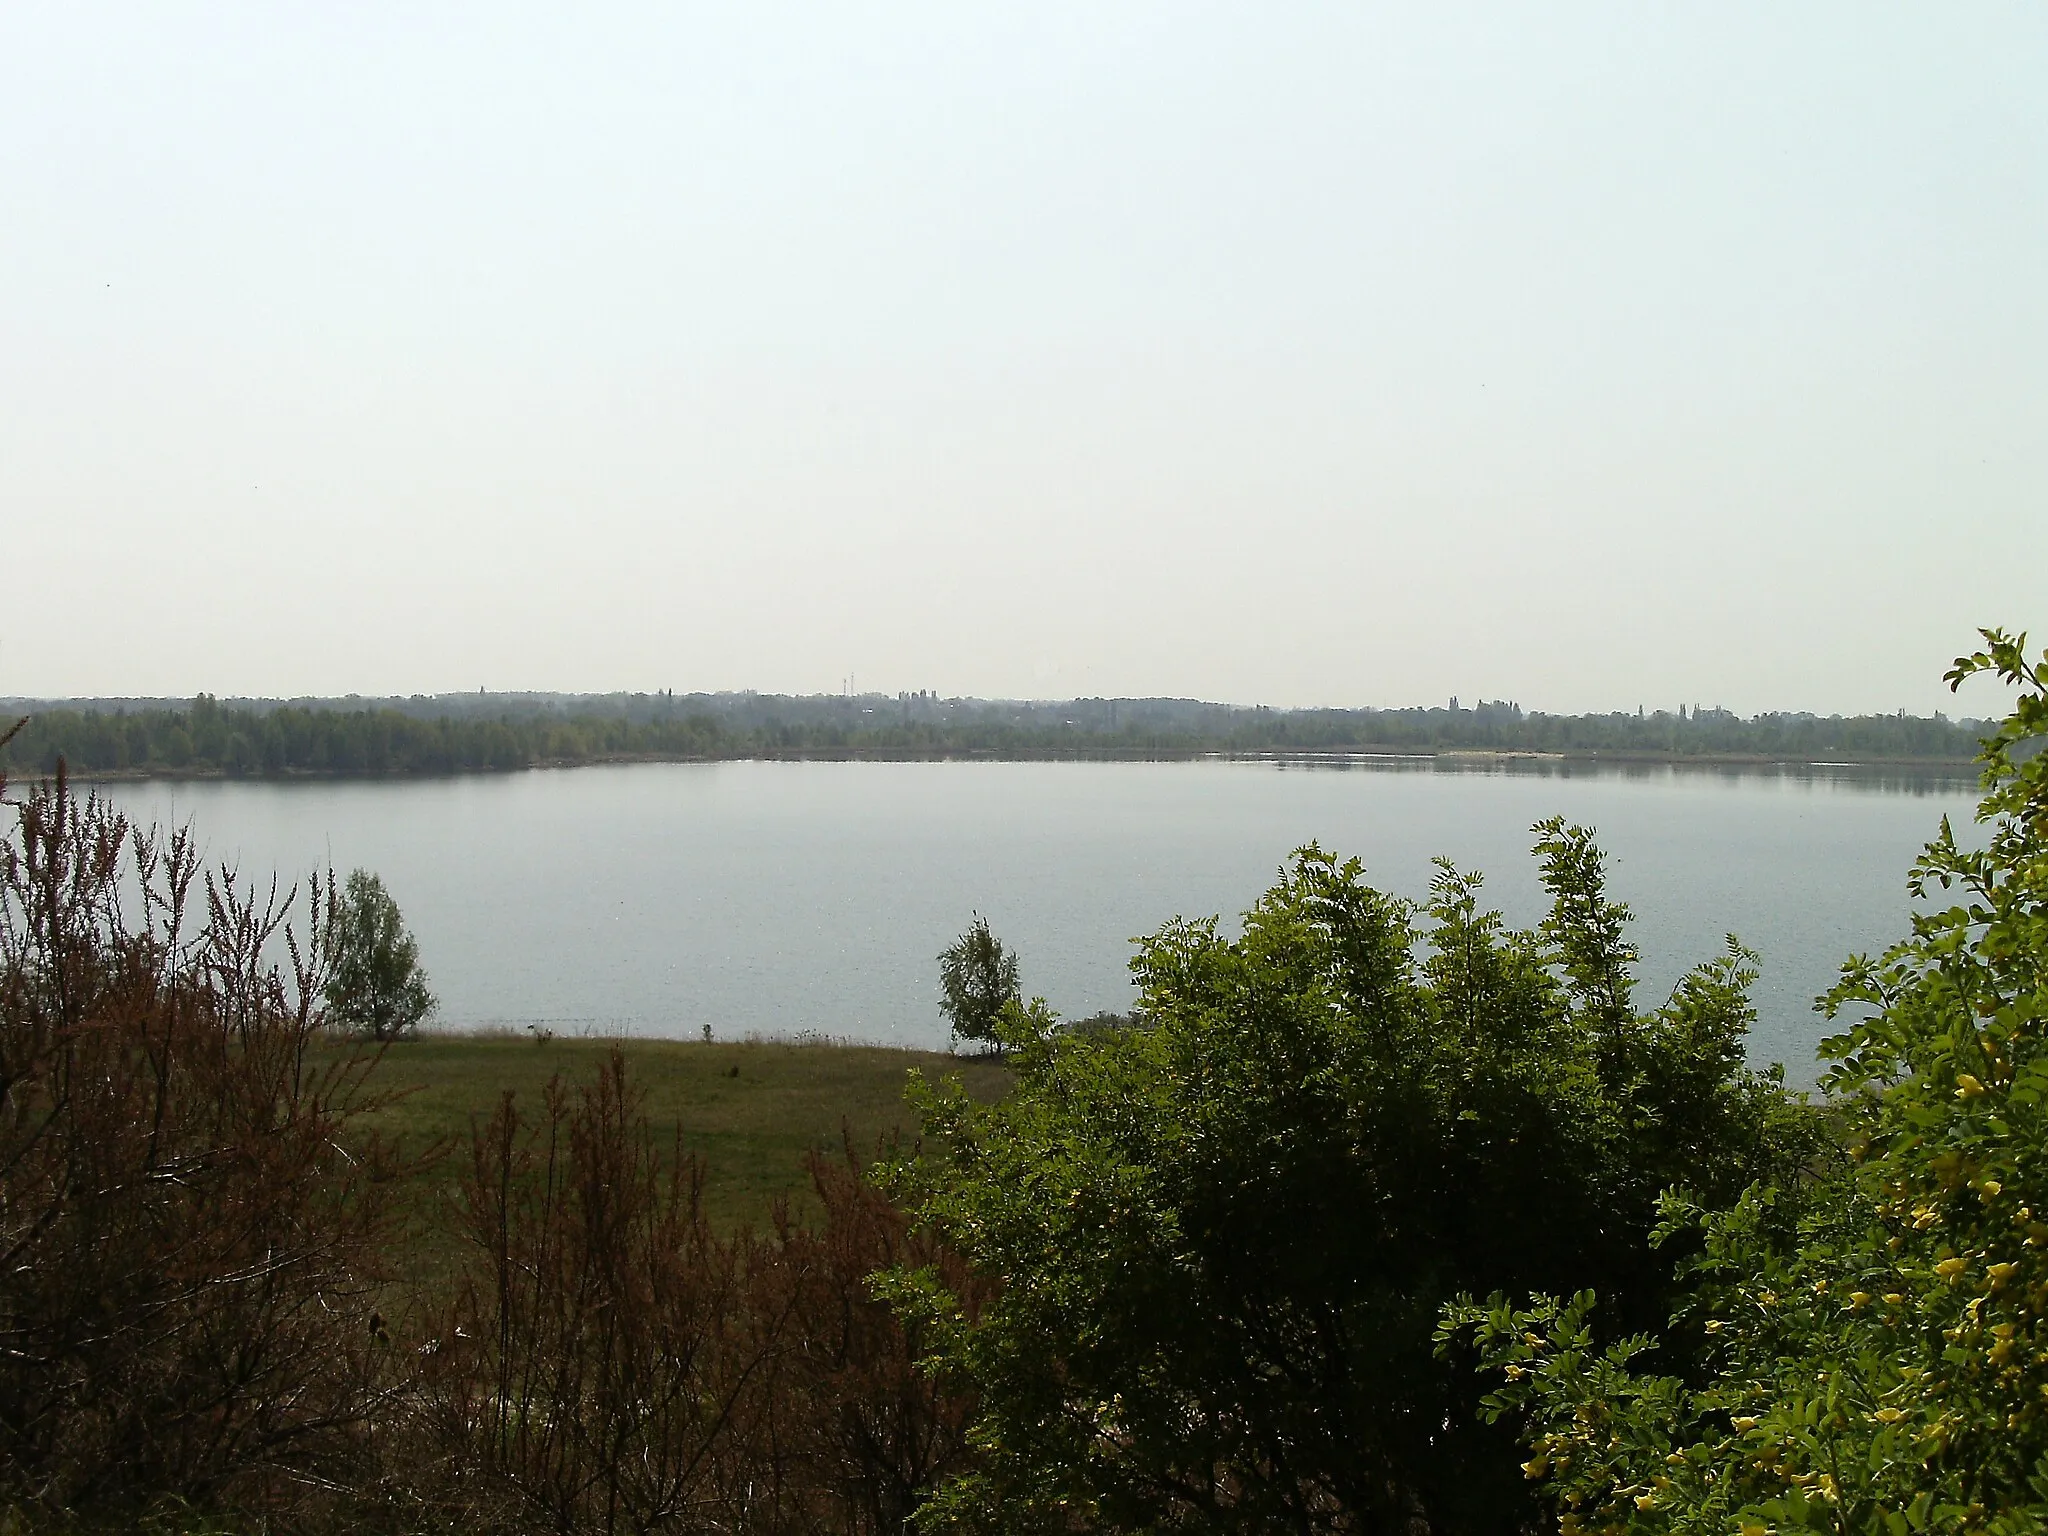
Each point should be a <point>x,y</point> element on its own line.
<point>257,739</point>
<point>211,739</point>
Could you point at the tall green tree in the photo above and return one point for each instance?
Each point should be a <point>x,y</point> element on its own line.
<point>1223,1235</point>
<point>1878,1341</point>
<point>375,985</point>
<point>977,981</point>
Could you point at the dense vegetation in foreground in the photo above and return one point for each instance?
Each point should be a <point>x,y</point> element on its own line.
<point>1374,1218</point>
<point>468,735</point>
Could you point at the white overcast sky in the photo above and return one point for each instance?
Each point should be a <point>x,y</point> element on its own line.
<point>1591,356</point>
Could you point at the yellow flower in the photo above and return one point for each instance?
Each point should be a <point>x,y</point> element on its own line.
<point>1991,1189</point>
<point>1967,1087</point>
<point>1998,1274</point>
<point>1948,1269</point>
<point>1746,1423</point>
<point>1646,1501</point>
<point>1535,1468</point>
<point>1859,1298</point>
<point>1888,1415</point>
<point>1893,1299</point>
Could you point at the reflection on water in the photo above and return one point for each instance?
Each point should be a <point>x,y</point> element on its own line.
<point>1875,778</point>
<point>779,897</point>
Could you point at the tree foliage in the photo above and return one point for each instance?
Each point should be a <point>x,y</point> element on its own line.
<point>375,986</point>
<point>977,981</point>
<point>1878,1340</point>
<point>1223,1234</point>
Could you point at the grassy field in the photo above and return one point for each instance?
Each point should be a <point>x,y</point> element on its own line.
<point>749,1110</point>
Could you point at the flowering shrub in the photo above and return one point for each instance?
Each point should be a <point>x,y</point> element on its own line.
<point>1871,1347</point>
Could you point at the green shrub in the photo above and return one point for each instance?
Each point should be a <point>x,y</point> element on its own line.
<point>1222,1234</point>
<point>1878,1340</point>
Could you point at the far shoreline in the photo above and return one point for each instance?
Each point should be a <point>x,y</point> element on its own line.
<point>1334,758</point>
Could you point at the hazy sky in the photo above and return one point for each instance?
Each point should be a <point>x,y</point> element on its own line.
<point>1588,356</point>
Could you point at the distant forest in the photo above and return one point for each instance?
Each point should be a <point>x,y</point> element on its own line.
<point>496,732</point>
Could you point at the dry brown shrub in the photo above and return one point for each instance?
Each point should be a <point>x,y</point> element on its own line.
<point>188,1254</point>
<point>582,1379</point>
<point>862,1432</point>
<point>614,1364</point>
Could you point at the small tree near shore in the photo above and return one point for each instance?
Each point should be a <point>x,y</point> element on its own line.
<point>977,980</point>
<point>375,986</point>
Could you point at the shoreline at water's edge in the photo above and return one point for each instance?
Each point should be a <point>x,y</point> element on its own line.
<point>1960,767</point>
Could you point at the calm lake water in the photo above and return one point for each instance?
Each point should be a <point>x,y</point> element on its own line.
<point>786,897</point>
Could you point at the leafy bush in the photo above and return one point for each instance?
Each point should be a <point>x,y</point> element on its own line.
<point>1223,1233</point>
<point>1878,1340</point>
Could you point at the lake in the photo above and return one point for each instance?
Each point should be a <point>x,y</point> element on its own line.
<point>783,898</point>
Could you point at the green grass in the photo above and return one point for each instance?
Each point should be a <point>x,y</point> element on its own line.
<point>750,1111</point>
